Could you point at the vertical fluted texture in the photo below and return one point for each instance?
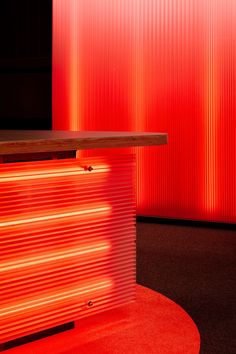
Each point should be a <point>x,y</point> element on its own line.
<point>156,65</point>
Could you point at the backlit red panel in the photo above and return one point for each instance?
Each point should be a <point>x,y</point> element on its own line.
<point>156,65</point>
<point>67,241</point>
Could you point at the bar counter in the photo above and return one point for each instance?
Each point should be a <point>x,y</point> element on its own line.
<point>67,227</point>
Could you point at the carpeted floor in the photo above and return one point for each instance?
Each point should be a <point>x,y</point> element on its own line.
<point>195,267</point>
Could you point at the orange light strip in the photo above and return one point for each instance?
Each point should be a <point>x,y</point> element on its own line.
<point>54,298</point>
<point>54,257</point>
<point>74,72</point>
<point>211,119</point>
<point>49,174</point>
<point>52,217</point>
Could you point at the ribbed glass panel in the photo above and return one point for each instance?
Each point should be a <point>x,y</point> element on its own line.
<point>67,241</point>
<point>156,65</point>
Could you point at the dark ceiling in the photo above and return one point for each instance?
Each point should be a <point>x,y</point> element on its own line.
<point>25,64</point>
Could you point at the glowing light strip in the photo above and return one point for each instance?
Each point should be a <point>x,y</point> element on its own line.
<point>49,174</point>
<point>53,257</point>
<point>51,217</point>
<point>54,298</point>
<point>211,119</point>
<point>74,96</point>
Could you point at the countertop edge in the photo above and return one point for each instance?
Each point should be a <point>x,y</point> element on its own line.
<point>67,144</point>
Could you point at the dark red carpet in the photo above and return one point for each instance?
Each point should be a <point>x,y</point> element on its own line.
<point>151,325</point>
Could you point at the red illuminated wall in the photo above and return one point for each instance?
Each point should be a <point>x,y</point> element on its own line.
<point>156,65</point>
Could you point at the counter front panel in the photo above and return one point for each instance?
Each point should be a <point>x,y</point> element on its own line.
<point>67,234</point>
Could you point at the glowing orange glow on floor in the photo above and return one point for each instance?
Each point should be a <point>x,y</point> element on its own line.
<point>108,330</point>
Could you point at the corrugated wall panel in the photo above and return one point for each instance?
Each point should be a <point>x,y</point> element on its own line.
<point>67,241</point>
<point>156,65</point>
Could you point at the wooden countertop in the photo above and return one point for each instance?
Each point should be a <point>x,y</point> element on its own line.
<point>31,141</point>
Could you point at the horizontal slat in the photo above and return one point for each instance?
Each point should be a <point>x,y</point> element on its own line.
<point>61,278</point>
<point>9,280</point>
<point>80,251</point>
<point>109,161</point>
<point>67,214</point>
<point>43,287</point>
<point>58,239</point>
<point>61,258</point>
<point>72,313</point>
<point>69,203</point>
<point>36,195</point>
<point>49,301</point>
<point>21,233</point>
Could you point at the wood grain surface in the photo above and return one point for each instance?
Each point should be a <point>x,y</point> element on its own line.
<point>30,141</point>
